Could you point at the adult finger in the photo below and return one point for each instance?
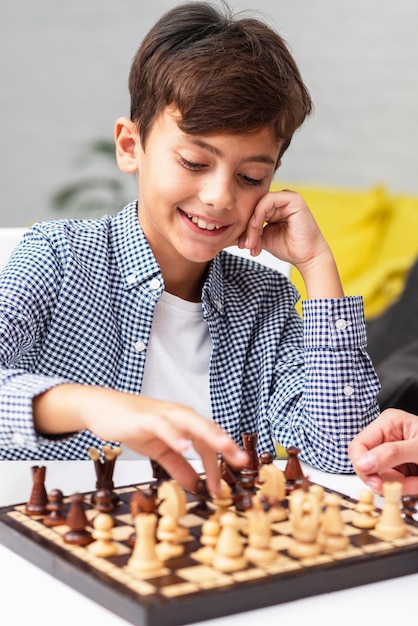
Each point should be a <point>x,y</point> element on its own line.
<point>386,456</point>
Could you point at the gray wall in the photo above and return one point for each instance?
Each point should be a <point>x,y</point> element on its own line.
<point>63,82</point>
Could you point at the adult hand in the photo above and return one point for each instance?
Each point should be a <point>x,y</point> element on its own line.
<point>387,450</point>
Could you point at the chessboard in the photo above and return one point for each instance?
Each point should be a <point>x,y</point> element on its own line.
<point>184,583</point>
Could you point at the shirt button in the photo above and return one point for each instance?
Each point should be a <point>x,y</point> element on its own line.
<point>155,284</point>
<point>131,279</point>
<point>218,305</point>
<point>18,439</point>
<point>348,390</point>
<point>139,346</point>
<point>341,324</point>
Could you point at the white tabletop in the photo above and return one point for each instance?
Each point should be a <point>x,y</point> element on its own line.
<point>29,595</point>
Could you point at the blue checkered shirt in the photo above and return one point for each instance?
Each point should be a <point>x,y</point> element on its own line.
<point>77,296</point>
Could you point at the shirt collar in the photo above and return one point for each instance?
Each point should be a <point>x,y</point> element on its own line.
<point>137,264</point>
<point>134,256</point>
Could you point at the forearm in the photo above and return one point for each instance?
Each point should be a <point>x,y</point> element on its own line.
<point>321,277</point>
<point>68,401</point>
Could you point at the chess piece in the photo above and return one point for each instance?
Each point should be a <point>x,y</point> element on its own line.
<point>38,497</point>
<point>203,497</point>
<point>77,521</point>
<point>167,534</point>
<point>208,539</point>
<point>390,525</point>
<point>272,485</point>
<point>104,471</point>
<point>293,471</point>
<point>318,491</point>
<point>331,535</point>
<point>250,446</point>
<point>365,511</point>
<point>258,550</point>
<point>159,474</point>
<point>103,546</point>
<point>144,560</point>
<point>409,508</point>
<point>142,501</point>
<point>103,501</point>
<point>229,552</point>
<point>245,493</point>
<point>222,501</point>
<point>230,475</point>
<point>172,503</point>
<point>55,507</point>
<point>305,515</point>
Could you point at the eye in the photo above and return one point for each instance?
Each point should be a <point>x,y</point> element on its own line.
<point>189,165</point>
<point>256,182</point>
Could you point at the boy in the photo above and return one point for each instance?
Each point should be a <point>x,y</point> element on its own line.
<point>138,328</point>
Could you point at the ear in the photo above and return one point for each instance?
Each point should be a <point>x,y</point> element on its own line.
<point>126,140</point>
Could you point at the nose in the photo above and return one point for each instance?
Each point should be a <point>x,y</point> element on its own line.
<point>218,191</point>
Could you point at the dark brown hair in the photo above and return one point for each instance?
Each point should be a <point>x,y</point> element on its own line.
<point>222,72</point>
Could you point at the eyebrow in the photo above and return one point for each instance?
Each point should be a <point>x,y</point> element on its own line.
<point>257,158</point>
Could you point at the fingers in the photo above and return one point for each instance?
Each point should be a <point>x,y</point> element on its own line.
<point>388,455</point>
<point>376,482</point>
<point>179,469</point>
<point>210,442</point>
<point>163,431</point>
<point>265,211</point>
<point>175,429</point>
<point>388,461</point>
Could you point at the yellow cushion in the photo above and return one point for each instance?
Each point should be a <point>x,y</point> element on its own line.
<point>353,222</point>
<point>397,253</point>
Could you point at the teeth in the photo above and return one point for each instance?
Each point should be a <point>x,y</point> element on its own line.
<point>202,224</point>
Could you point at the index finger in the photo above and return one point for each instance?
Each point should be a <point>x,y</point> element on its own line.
<point>366,440</point>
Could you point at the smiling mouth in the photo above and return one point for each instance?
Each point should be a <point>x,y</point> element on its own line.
<point>203,224</point>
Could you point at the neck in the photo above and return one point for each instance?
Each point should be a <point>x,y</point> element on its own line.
<point>184,279</point>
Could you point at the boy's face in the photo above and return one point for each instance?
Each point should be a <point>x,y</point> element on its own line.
<point>197,193</point>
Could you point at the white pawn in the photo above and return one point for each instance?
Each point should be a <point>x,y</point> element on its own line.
<point>365,517</point>
<point>222,501</point>
<point>102,533</point>
<point>305,516</point>
<point>209,538</point>
<point>259,551</point>
<point>390,524</point>
<point>331,535</point>
<point>167,533</point>
<point>229,552</point>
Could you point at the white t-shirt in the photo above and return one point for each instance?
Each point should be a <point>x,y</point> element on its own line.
<point>178,357</point>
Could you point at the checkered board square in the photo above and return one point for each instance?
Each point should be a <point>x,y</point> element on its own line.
<point>186,590</point>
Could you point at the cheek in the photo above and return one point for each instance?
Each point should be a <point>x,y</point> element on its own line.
<point>247,203</point>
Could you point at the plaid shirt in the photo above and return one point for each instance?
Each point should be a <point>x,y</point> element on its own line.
<point>76,305</point>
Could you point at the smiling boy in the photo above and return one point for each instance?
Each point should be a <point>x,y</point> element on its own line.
<point>139,328</point>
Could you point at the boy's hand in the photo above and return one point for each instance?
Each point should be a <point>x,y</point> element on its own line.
<point>156,429</point>
<point>283,225</point>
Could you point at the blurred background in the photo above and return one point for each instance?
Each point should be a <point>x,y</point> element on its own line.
<point>63,82</point>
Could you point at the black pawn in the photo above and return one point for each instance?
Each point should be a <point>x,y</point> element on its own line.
<point>103,501</point>
<point>77,521</point>
<point>55,507</point>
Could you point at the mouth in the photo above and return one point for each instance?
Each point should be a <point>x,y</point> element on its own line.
<point>203,224</point>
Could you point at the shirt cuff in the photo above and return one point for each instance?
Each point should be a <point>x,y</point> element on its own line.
<point>334,323</point>
<point>16,409</point>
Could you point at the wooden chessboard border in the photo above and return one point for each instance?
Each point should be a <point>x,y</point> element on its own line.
<point>273,589</point>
